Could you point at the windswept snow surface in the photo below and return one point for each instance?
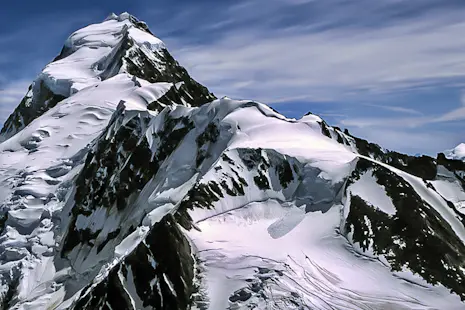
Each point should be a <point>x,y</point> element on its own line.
<point>146,39</point>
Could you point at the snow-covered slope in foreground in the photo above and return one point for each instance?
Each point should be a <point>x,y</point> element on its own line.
<point>137,190</point>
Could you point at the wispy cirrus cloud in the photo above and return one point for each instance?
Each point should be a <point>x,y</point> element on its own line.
<point>386,122</point>
<point>347,53</point>
<point>410,141</point>
<point>398,109</point>
<point>457,114</point>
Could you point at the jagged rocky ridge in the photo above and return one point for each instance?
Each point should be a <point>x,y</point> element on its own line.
<point>141,192</point>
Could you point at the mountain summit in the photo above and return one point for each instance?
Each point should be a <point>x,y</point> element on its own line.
<point>125,184</point>
<point>94,54</point>
<point>457,153</point>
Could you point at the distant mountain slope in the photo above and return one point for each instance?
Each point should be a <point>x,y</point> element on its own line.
<point>457,153</point>
<point>125,184</point>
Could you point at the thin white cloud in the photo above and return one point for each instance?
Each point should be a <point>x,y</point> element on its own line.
<point>349,55</point>
<point>454,115</point>
<point>396,109</point>
<point>276,51</point>
<point>428,141</point>
<point>386,122</point>
<point>332,63</point>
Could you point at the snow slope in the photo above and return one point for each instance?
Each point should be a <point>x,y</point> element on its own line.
<point>40,162</point>
<point>295,237</point>
<point>130,187</point>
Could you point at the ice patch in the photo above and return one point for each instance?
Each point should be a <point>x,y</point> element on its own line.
<point>288,222</point>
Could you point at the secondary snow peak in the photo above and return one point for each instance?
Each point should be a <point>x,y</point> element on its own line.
<point>457,153</point>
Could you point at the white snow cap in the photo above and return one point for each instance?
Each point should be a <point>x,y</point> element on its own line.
<point>456,153</point>
<point>90,50</point>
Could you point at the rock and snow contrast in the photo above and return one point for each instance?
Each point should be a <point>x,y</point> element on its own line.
<point>125,184</point>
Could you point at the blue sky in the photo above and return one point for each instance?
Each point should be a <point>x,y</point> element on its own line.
<point>391,71</point>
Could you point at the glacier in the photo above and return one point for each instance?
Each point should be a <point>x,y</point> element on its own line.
<point>125,184</point>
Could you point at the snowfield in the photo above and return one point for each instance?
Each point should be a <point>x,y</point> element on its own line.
<point>310,265</point>
<point>124,184</point>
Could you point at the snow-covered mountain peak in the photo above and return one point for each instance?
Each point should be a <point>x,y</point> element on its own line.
<point>120,44</point>
<point>125,184</point>
<point>457,153</point>
<point>90,54</point>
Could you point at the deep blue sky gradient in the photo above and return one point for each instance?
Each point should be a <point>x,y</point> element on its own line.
<point>391,71</point>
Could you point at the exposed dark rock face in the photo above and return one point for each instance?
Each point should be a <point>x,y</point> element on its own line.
<point>417,237</point>
<point>3,219</point>
<point>454,165</point>
<point>369,149</point>
<point>424,167</point>
<point>263,165</point>
<point>118,168</point>
<point>208,137</point>
<point>157,67</point>
<point>124,152</point>
<point>38,100</point>
<point>190,91</point>
<point>161,269</point>
<point>325,129</point>
<point>10,294</point>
